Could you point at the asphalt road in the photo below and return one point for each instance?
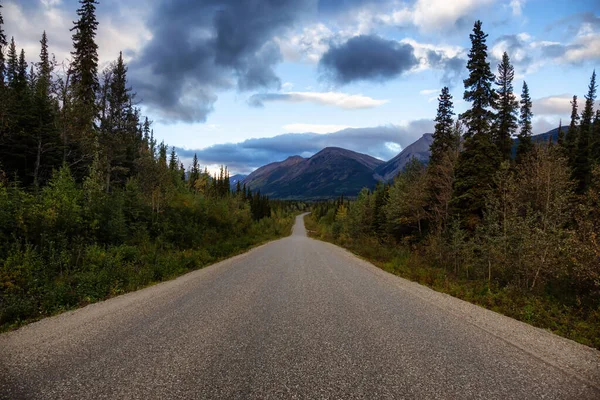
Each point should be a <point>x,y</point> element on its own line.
<point>295,318</point>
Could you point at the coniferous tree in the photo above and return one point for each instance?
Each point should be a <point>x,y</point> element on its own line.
<point>480,157</point>
<point>596,138</point>
<point>506,119</point>
<point>47,141</point>
<point>525,143</point>
<point>3,44</point>
<point>173,159</point>
<point>83,83</point>
<point>572,133</point>
<point>12,63</point>
<point>583,163</point>
<point>443,135</point>
<point>561,135</point>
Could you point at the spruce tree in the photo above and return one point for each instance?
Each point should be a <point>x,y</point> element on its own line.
<point>12,64</point>
<point>572,133</point>
<point>3,44</point>
<point>84,68</point>
<point>561,135</point>
<point>596,138</point>
<point>478,87</point>
<point>506,119</point>
<point>582,168</point>
<point>525,143</point>
<point>480,159</point>
<point>443,136</point>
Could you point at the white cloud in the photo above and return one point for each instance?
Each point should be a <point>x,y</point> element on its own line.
<point>427,92</point>
<point>586,47</point>
<point>552,105</point>
<point>517,7</point>
<point>336,99</point>
<point>314,128</point>
<point>433,15</point>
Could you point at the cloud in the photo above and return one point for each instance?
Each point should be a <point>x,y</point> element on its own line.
<point>585,46</point>
<point>381,142</point>
<point>368,57</point>
<point>518,47</point>
<point>199,48</point>
<point>315,128</point>
<point>434,15</point>
<point>341,100</point>
<point>517,7</point>
<point>552,105</point>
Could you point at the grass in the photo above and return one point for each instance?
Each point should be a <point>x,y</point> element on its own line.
<point>544,312</point>
<point>116,270</point>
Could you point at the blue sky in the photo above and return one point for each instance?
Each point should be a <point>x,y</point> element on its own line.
<point>214,74</point>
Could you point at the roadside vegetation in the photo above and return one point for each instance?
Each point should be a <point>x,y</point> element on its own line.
<point>91,206</point>
<point>512,227</point>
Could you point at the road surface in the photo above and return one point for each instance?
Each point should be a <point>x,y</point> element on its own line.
<point>295,318</point>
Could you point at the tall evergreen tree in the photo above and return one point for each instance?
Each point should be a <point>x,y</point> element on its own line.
<point>583,163</point>
<point>85,55</point>
<point>525,142</point>
<point>12,63</point>
<point>506,119</point>
<point>3,44</point>
<point>596,138</point>
<point>83,77</point>
<point>47,143</point>
<point>572,133</point>
<point>561,135</point>
<point>478,86</point>
<point>443,136</point>
<point>480,158</point>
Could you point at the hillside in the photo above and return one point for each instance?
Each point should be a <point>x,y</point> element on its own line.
<point>330,173</point>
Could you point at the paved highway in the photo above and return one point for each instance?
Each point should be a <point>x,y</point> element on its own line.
<point>295,318</point>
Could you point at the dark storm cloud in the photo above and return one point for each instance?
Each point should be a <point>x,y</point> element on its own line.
<point>367,57</point>
<point>250,154</point>
<point>201,47</point>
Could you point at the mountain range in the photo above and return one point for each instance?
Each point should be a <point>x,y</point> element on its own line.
<point>334,171</point>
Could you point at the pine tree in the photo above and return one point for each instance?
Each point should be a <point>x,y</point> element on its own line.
<point>572,133</point>
<point>47,142</point>
<point>525,142</point>
<point>84,71</point>
<point>596,138</point>
<point>480,158</point>
<point>478,86</point>
<point>173,160</point>
<point>3,44</point>
<point>506,119</point>
<point>583,163</point>
<point>561,135</point>
<point>12,64</point>
<point>443,136</point>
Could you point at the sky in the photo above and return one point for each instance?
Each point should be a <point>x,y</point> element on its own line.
<point>248,82</point>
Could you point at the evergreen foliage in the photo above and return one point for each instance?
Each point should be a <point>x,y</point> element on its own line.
<point>525,142</point>
<point>480,158</point>
<point>582,167</point>
<point>506,119</point>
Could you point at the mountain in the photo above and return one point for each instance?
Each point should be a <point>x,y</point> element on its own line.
<point>330,173</point>
<point>335,171</point>
<point>419,150</point>
<point>234,179</point>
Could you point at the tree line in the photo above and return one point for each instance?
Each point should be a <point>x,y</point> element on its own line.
<point>513,229</point>
<point>90,204</point>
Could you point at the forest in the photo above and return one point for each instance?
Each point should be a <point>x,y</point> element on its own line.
<point>91,206</point>
<point>511,225</point>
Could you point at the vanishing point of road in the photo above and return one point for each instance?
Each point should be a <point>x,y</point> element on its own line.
<point>293,319</point>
